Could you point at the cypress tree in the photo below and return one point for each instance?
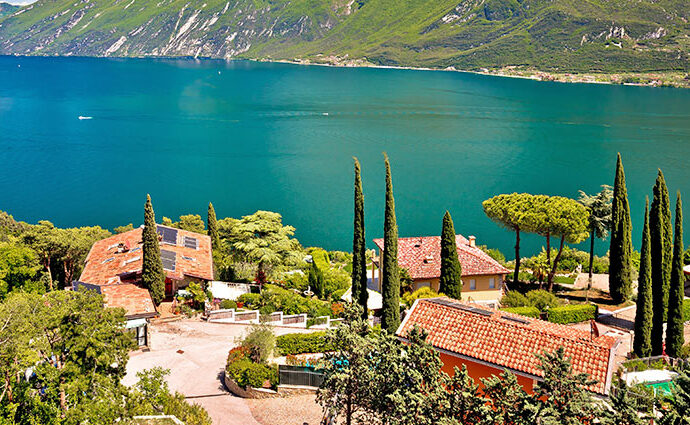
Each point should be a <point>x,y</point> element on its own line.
<point>359,255</point>
<point>620,269</point>
<point>660,233</point>
<point>451,270</point>
<point>152,274</point>
<point>642,345</point>
<point>213,227</point>
<point>316,279</point>
<point>675,327</point>
<point>390,279</point>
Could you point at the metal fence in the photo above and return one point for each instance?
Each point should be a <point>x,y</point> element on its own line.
<point>298,375</point>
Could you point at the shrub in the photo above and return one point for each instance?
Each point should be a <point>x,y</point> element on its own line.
<point>686,310</point>
<point>514,299</point>
<point>685,352</point>
<point>295,279</point>
<point>228,304</point>
<point>336,280</point>
<point>635,365</point>
<point>524,276</point>
<point>564,279</point>
<point>260,341</point>
<point>256,374</point>
<point>250,300</point>
<point>274,298</point>
<point>423,292</point>
<point>524,311</point>
<point>245,372</point>
<point>494,253</point>
<point>237,353</point>
<point>302,343</point>
<point>337,295</point>
<point>542,299</point>
<point>249,374</point>
<point>573,313</point>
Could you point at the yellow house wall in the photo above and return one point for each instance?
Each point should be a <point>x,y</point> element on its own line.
<point>482,291</point>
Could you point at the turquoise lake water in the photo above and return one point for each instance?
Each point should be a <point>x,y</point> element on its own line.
<point>279,137</point>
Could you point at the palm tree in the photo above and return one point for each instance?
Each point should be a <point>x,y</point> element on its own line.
<point>599,207</point>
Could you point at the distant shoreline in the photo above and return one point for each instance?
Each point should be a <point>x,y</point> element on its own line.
<point>659,79</point>
<point>535,75</point>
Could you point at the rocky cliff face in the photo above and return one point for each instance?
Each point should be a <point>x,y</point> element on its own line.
<point>552,34</point>
<point>150,28</point>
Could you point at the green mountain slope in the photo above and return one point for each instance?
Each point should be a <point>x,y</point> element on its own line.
<point>563,35</point>
<point>7,9</point>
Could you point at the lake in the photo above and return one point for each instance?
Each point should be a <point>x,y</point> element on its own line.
<point>281,137</point>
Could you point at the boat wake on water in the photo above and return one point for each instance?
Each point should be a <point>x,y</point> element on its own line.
<point>81,117</point>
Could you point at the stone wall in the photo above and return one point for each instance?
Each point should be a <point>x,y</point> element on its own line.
<point>283,390</point>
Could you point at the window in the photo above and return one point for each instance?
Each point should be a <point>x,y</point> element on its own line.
<point>423,284</point>
<point>131,260</point>
<point>473,284</point>
<point>190,242</point>
<point>492,283</point>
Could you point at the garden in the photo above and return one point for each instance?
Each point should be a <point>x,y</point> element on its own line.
<point>545,305</point>
<point>254,362</point>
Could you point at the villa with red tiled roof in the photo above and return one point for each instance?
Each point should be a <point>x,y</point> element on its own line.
<point>113,268</point>
<point>489,341</point>
<point>482,276</point>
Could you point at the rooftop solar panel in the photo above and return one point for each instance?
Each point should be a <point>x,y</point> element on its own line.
<point>463,307</point>
<point>515,319</point>
<point>168,258</point>
<point>167,234</point>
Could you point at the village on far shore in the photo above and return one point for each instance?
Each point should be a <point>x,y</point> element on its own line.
<point>251,327</point>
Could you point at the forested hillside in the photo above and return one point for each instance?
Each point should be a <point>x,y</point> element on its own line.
<point>553,35</point>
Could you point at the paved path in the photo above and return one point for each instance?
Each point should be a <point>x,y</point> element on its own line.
<point>195,352</point>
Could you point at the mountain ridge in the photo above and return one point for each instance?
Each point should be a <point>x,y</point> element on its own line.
<point>552,35</point>
<point>7,9</point>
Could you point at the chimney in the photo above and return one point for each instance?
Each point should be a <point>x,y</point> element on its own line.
<point>473,241</point>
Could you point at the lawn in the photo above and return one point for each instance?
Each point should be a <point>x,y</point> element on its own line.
<point>597,296</point>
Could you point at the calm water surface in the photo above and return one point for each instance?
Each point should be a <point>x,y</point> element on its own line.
<point>250,136</point>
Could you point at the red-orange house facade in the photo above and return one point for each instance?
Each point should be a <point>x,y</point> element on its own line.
<point>489,341</point>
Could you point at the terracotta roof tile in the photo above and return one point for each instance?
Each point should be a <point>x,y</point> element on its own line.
<point>421,256</point>
<point>105,265</point>
<point>492,338</point>
<point>135,300</point>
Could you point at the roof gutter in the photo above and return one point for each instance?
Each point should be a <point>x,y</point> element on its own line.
<point>140,316</point>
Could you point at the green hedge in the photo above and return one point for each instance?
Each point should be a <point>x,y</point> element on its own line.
<point>314,342</point>
<point>573,313</point>
<point>249,374</point>
<point>686,310</point>
<point>523,311</point>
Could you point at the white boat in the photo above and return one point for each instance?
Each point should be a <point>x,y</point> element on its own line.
<point>81,117</point>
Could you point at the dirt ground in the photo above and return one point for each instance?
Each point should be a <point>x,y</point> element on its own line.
<point>299,410</point>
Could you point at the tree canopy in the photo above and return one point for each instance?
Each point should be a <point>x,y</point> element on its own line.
<point>548,216</point>
<point>62,358</point>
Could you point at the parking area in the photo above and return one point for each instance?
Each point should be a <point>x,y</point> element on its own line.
<point>195,352</point>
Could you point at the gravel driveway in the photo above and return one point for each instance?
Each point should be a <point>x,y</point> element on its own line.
<point>195,352</point>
